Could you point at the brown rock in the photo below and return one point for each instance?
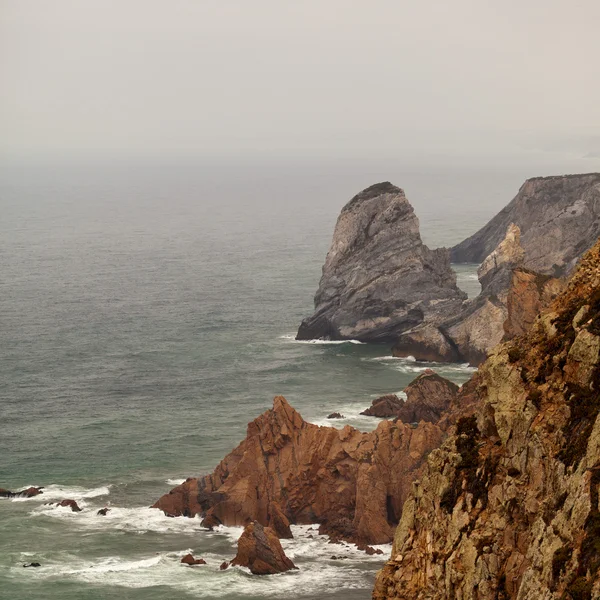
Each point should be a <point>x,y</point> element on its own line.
<point>278,522</point>
<point>335,415</point>
<point>509,506</point>
<point>427,397</point>
<point>384,407</point>
<point>528,294</point>
<point>224,565</point>
<point>28,493</point>
<point>103,511</point>
<point>189,559</point>
<point>211,522</point>
<point>314,474</point>
<point>70,503</point>
<point>259,549</point>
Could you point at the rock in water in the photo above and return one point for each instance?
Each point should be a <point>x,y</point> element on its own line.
<point>189,559</point>
<point>384,407</point>
<point>559,218</point>
<point>379,279</point>
<point>427,397</point>
<point>260,550</point>
<point>71,504</point>
<point>509,506</point>
<point>335,415</point>
<point>288,468</point>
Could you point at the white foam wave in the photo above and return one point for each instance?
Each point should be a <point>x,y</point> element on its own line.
<point>137,519</point>
<point>291,337</point>
<point>175,481</point>
<point>391,358</point>
<point>57,492</point>
<point>318,573</point>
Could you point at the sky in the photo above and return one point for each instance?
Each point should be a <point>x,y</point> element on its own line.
<point>320,78</point>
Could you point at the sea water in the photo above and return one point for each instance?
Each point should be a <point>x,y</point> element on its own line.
<point>148,313</point>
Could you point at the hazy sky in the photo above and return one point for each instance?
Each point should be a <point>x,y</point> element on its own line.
<point>298,78</point>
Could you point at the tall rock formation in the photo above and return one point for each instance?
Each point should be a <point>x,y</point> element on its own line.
<point>559,219</point>
<point>379,279</point>
<point>353,483</point>
<point>509,506</point>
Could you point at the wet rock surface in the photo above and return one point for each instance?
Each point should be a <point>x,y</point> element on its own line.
<point>260,550</point>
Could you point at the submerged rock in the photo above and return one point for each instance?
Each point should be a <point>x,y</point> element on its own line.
<point>260,550</point>
<point>103,512</point>
<point>30,492</point>
<point>509,505</point>
<point>306,473</point>
<point>379,279</point>
<point>32,564</point>
<point>384,407</point>
<point>71,504</point>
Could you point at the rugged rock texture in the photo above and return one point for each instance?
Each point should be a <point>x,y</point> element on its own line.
<point>509,506</point>
<point>259,549</point>
<point>559,218</point>
<point>350,481</point>
<point>529,292</point>
<point>427,398</point>
<point>379,279</point>
<point>485,321</point>
<point>384,407</point>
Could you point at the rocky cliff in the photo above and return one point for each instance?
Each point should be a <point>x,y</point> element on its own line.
<point>509,506</point>
<point>559,219</point>
<point>379,279</point>
<point>485,321</point>
<point>288,470</point>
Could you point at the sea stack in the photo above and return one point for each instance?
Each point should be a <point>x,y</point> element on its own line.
<point>379,279</point>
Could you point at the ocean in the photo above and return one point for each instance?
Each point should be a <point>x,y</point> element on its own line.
<point>147,314</point>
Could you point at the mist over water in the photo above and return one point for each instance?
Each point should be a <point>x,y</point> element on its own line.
<point>147,314</point>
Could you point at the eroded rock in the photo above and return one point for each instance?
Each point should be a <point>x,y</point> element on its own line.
<point>313,474</point>
<point>384,407</point>
<point>189,560</point>
<point>260,550</point>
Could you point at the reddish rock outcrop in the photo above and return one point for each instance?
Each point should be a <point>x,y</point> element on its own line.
<point>189,559</point>
<point>427,397</point>
<point>71,504</point>
<point>312,474</point>
<point>30,492</point>
<point>260,550</point>
<point>528,294</point>
<point>384,407</point>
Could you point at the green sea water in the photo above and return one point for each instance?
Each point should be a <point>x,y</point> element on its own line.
<point>147,314</point>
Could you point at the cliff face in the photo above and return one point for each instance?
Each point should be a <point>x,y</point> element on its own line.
<point>559,219</point>
<point>509,506</point>
<point>288,470</point>
<point>379,279</point>
<point>509,293</point>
